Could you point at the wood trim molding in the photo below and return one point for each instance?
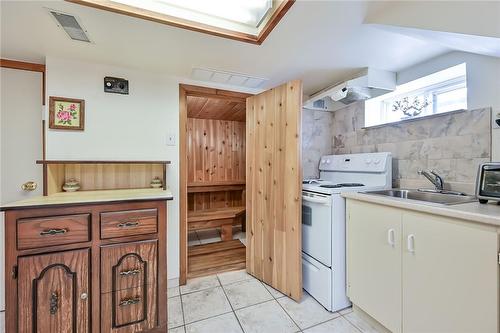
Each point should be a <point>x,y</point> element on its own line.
<point>191,25</point>
<point>27,66</point>
<point>183,196</point>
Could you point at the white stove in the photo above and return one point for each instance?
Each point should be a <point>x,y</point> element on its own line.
<point>323,220</point>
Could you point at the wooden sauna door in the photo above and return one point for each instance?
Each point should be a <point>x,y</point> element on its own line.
<point>274,188</point>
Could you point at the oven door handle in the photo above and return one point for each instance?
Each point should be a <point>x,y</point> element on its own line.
<point>325,201</point>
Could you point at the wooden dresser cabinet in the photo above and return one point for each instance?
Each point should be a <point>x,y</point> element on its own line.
<point>86,268</point>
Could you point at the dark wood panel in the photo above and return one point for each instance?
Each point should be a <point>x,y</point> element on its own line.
<point>129,310</point>
<point>129,223</point>
<point>129,265</point>
<point>52,230</point>
<point>52,289</point>
<point>16,287</point>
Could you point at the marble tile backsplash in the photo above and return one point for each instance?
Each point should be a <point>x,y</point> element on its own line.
<point>452,144</point>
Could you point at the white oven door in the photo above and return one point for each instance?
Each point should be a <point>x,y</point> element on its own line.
<point>317,226</point>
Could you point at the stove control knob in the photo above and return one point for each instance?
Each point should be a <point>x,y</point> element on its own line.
<point>377,161</point>
<point>328,161</point>
<point>368,161</point>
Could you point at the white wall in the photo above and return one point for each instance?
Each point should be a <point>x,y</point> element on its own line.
<point>128,127</point>
<point>483,83</point>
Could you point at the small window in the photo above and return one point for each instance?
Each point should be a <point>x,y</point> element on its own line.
<point>440,92</point>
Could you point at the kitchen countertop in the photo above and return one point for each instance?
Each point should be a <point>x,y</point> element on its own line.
<point>473,211</point>
<point>90,197</point>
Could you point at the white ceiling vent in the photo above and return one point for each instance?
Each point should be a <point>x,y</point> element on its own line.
<point>71,25</point>
<point>230,78</point>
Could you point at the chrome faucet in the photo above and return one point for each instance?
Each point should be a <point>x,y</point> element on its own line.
<point>434,178</point>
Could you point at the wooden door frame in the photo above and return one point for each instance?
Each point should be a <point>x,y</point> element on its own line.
<point>32,67</point>
<point>186,90</point>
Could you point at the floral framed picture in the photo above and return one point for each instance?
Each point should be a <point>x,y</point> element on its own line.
<point>66,113</point>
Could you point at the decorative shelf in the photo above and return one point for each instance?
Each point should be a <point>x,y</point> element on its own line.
<point>101,175</point>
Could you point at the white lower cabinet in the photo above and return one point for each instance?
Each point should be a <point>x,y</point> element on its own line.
<point>447,276</point>
<point>374,261</point>
<point>450,276</point>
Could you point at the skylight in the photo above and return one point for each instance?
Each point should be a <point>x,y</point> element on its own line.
<point>241,11</point>
<point>245,20</point>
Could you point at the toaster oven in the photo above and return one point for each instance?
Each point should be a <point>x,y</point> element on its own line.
<point>488,182</point>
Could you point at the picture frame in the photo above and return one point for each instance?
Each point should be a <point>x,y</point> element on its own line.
<point>66,113</point>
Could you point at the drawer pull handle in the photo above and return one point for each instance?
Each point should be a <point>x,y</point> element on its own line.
<point>129,301</point>
<point>128,224</point>
<point>53,232</point>
<point>54,303</point>
<point>130,272</point>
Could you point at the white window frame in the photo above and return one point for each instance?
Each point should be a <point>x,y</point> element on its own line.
<point>383,104</point>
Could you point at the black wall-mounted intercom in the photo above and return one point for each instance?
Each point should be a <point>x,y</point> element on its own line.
<point>115,85</point>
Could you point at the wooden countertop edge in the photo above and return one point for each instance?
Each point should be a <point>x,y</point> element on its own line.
<point>83,203</point>
<point>451,211</point>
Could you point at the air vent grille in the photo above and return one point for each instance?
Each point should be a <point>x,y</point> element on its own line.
<point>70,24</point>
<point>230,78</point>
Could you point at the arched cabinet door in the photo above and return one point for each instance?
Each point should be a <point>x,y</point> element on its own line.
<point>128,287</point>
<point>53,292</point>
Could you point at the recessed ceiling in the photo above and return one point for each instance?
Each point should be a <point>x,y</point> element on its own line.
<point>320,42</point>
<point>242,20</point>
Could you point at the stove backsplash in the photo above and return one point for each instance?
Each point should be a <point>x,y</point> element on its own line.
<point>452,144</point>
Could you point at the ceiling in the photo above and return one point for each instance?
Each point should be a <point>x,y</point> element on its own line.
<point>320,42</point>
<point>214,108</point>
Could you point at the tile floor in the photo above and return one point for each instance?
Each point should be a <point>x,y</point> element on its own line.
<point>237,302</point>
<point>213,235</point>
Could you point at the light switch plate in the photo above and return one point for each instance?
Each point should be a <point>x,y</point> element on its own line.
<point>171,140</point>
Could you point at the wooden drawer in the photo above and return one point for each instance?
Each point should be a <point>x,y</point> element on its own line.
<point>52,230</point>
<point>128,265</point>
<point>129,223</point>
<point>129,310</point>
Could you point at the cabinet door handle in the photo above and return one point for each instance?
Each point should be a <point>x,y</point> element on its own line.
<point>53,232</point>
<point>410,243</point>
<point>54,303</point>
<point>129,301</point>
<point>130,272</point>
<point>390,237</point>
<point>128,224</point>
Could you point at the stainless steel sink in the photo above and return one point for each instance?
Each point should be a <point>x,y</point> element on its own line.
<point>443,198</point>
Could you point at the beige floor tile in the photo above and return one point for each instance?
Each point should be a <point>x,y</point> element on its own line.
<point>234,276</point>
<point>246,293</point>
<point>172,292</point>
<point>306,313</point>
<point>226,323</point>
<point>274,292</point>
<point>175,318</point>
<point>177,330</point>
<point>201,283</point>
<point>337,325</point>
<point>266,317</point>
<point>360,323</point>
<point>204,304</point>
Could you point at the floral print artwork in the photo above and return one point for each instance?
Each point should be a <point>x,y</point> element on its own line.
<point>66,113</point>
